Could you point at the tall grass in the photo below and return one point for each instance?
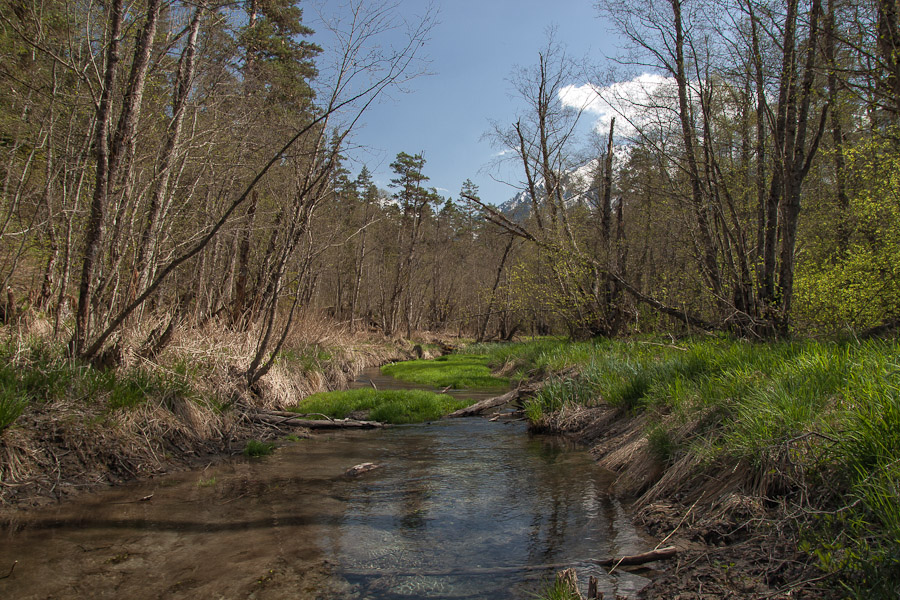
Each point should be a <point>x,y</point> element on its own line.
<point>829,410</point>
<point>36,371</point>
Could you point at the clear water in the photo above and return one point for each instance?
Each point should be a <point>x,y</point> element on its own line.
<point>458,509</point>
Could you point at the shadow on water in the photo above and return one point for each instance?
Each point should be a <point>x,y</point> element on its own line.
<point>459,509</point>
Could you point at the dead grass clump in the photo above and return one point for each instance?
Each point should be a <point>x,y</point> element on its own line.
<point>150,412</point>
<point>509,367</point>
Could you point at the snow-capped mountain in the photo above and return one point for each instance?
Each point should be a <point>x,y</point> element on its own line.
<point>579,186</point>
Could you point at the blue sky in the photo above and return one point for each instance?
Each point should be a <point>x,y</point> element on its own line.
<point>473,50</point>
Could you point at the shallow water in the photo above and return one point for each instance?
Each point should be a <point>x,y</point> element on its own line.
<point>461,508</point>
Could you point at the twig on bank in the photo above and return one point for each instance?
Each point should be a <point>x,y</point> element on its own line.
<point>11,569</point>
<point>680,523</point>
<point>796,586</point>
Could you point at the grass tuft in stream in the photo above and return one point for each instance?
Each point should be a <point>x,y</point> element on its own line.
<point>558,589</point>
<point>456,371</point>
<point>257,449</point>
<point>396,407</point>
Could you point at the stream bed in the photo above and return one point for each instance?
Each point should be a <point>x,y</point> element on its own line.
<point>463,508</point>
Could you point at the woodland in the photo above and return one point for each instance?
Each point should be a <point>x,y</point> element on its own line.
<point>186,238</point>
<point>176,163</point>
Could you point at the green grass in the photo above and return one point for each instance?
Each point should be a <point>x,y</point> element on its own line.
<point>454,370</point>
<point>558,589</point>
<point>829,412</point>
<point>257,449</point>
<point>387,406</point>
<point>37,371</point>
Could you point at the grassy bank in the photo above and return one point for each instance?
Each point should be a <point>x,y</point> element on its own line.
<point>65,425</point>
<point>812,427</point>
<point>396,407</point>
<point>456,371</point>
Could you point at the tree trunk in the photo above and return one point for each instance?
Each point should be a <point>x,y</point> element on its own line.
<point>93,238</point>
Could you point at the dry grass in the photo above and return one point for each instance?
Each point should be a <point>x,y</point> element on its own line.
<point>68,440</point>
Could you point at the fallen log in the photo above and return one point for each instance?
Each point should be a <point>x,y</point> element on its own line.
<point>639,559</point>
<point>290,420</point>
<point>485,405</point>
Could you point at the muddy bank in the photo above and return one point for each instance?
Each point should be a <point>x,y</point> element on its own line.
<point>59,448</point>
<point>732,541</point>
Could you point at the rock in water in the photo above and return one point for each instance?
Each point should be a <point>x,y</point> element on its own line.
<point>360,469</point>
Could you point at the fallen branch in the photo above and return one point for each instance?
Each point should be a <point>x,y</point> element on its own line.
<point>485,405</point>
<point>639,559</point>
<point>314,423</point>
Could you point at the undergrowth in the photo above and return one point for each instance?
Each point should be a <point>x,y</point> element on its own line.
<point>822,417</point>
<point>36,372</point>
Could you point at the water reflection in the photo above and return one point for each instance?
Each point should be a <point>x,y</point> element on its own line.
<point>478,509</point>
<point>459,509</point>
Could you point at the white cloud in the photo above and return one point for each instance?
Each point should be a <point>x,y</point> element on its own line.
<point>645,101</point>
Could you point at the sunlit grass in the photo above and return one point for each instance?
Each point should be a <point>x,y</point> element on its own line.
<point>37,371</point>
<point>386,406</point>
<point>454,370</point>
<point>835,406</point>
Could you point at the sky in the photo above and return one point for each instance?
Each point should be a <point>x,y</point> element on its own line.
<point>473,50</point>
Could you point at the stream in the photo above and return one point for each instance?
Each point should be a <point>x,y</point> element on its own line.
<point>461,508</point>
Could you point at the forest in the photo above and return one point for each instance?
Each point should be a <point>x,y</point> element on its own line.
<point>175,163</point>
<point>182,173</point>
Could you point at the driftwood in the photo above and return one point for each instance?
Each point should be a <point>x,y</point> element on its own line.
<point>639,559</point>
<point>319,424</point>
<point>281,418</point>
<point>485,405</point>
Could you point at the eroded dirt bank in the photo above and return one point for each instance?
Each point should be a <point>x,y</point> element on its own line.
<point>732,540</point>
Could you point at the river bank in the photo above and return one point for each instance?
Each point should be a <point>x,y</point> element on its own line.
<point>69,427</point>
<point>772,466</point>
